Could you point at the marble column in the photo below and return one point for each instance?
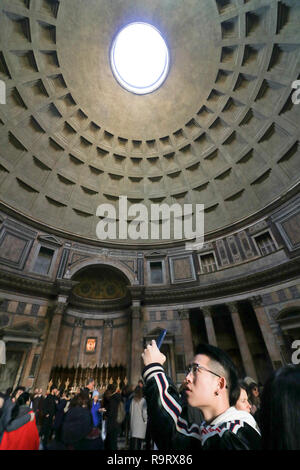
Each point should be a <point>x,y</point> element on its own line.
<point>268,335</point>
<point>210,330</point>
<point>242,341</point>
<point>187,335</point>
<point>136,343</point>
<point>51,343</point>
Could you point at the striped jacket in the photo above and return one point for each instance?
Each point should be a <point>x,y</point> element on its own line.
<point>233,429</point>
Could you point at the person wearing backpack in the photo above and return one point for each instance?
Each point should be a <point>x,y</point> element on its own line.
<point>111,401</point>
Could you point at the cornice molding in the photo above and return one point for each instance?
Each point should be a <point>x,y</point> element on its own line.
<point>24,283</point>
<point>151,295</point>
<point>224,231</point>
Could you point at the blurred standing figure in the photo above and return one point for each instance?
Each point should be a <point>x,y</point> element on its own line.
<point>97,410</point>
<point>280,410</point>
<point>90,387</point>
<point>110,402</point>
<point>138,419</point>
<point>49,410</point>
<point>254,398</point>
<point>19,436</point>
<point>127,395</point>
<point>59,415</point>
<point>8,405</point>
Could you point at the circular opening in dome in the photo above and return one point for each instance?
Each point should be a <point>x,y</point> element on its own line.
<point>139,58</point>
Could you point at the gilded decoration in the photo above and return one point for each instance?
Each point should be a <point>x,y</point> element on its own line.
<point>100,284</point>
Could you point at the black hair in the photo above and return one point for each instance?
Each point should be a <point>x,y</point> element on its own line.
<point>22,400</point>
<point>14,393</point>
<point>82,399</point>
<point>221,357</point>
<point>280,410</point>
<point>111,388</point>
<point>52,388</point>
<point>252,386</point>
<point>237,391</point>
<point>138,393</point>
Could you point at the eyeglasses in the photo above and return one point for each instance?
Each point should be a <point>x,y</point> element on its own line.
<point>196,367</point>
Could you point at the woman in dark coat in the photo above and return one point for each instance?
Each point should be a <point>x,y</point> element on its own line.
<point>111,400</point>
<point>77,429</point>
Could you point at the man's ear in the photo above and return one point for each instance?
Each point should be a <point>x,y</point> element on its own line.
<point>222,383</point>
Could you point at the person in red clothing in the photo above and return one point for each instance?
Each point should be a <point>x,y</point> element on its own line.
<point>21,437</point>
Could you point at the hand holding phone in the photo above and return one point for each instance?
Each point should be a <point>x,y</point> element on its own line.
<point>152,354</point>
<point>161,338</point>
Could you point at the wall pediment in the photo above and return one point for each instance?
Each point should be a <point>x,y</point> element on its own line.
<point>50,240</point>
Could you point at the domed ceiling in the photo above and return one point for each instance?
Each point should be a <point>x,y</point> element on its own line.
<point>222,129</point>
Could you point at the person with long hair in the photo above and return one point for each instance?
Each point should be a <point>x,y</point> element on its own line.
<point>138,419</point>
<point>280,410</point>
<point>26,436</point>
<point>241,399</point>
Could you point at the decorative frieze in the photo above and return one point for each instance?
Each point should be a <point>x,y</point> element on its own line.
<point>222,252</point>
<point>245,244</point>
<point>234,249</point>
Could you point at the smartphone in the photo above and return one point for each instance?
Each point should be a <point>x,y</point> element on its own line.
<point>160,339</point>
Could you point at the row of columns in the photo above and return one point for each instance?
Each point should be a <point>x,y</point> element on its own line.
<point>263,322</point>
<point>137,339</point>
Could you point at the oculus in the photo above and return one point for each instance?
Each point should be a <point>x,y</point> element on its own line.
<point>139,58</point>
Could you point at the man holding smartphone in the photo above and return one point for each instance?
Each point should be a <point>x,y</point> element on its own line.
<point>211,381</point>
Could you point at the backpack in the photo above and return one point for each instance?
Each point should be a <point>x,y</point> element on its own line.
<point>121,412</point>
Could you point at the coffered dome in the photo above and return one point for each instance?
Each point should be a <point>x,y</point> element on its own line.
<point>221,130</point>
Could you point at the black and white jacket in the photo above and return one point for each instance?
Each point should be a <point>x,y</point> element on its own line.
<point>233,429</point>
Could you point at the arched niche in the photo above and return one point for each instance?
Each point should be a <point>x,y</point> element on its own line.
<point>117,265</point>
<point>100,283</point>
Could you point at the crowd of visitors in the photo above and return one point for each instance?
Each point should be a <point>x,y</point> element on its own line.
<point>62,420</point>
<point>211,410</point>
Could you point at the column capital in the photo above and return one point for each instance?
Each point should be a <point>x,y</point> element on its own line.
<point>207,310</point>
<point>183,314</point>
<point>108,323</point>
<point>233,307</point>
<point>137,292</point>
<point>64,286</point>
<point>256,301</point>
<point>59,307</point>
<point>79,322</point>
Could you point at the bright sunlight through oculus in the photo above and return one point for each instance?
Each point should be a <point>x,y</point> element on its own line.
<point>140,58</point>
